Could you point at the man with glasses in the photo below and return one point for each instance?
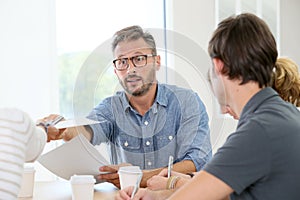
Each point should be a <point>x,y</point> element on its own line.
<point>148,121</point>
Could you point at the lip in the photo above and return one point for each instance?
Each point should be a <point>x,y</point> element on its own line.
<point>133,79</point>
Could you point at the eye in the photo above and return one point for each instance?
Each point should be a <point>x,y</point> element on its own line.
<point>140,58</point>
<point>123,61</point>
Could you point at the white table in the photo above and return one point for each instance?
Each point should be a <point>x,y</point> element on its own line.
<point>61,190</point>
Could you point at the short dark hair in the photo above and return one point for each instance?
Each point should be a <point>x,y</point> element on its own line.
<point>134,33</point>
<point>247,47</point>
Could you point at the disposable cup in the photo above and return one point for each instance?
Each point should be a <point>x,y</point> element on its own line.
<point>128,175</point>
<point>27,183</point>
<point>82,187</point>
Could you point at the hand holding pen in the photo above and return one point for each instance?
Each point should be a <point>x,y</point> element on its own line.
<point>160,181</point>
<point>48,124</point>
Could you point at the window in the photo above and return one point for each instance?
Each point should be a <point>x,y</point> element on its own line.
<point>267,10</point>
<point>84,29</point>
<point>85,71</point>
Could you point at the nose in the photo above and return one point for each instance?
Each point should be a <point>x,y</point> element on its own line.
<point>131,67</point>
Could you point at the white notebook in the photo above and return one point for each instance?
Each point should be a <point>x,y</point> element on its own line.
<point>77,156</point>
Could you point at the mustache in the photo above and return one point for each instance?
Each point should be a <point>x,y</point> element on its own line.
<point>132,76</point>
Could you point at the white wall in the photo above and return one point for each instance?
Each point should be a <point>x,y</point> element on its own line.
<point>28,56</point>
<point>195,19</point>
<point>290,29</point>
<point>28,60</point>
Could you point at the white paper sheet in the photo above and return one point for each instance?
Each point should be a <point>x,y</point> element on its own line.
<point>75,122</point>
<point>77,156</point>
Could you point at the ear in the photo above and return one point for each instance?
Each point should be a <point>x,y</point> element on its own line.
<point>157,62</point>
<point>218,65</point>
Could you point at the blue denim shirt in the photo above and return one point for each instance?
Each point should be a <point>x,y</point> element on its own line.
<point>176,124</point>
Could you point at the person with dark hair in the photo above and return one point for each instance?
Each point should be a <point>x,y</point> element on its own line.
<point>285,81</point>
<point>148,121</point>
<point>260,160</point>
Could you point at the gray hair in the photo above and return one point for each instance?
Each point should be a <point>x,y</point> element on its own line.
<point>132,33</point>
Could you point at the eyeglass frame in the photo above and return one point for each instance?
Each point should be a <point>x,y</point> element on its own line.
<point>131,59</point>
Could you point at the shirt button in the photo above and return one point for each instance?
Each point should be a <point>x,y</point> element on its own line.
<point>147,143</point>
<point>149,163</point>
<point>146,123</point>
<point>170,137</point>
<point>126,144</point>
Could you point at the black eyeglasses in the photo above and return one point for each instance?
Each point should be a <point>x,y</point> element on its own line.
<point>122,64</point>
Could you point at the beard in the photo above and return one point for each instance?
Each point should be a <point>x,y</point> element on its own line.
<point>142,90</point>
<point>141,87</point>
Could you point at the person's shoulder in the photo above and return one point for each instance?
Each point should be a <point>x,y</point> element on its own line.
<point>115,97</point>
<point>176,89</point>
<point>180,93</point>
<point>16,119</point>
<point>13,114</point>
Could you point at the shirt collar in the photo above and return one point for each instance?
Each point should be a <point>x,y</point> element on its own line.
<point>257,100</point>
<point>161,98</point>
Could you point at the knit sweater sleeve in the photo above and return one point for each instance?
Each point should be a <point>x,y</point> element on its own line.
<point>20,141</point>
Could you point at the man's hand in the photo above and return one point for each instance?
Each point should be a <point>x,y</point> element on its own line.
<point>112,175</point>
<point>52,132</point>
<point>124,194</point>
<point>69,133</point>
<point>142,194</point>
<point>72,132</point>
<point>159,182</point>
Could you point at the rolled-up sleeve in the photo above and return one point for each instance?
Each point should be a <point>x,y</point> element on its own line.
<point>101,130</point>
<point>194,134</point>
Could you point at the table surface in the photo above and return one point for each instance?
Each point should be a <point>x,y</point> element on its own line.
<point>61,190</point>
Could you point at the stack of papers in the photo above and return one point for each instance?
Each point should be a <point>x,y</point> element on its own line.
<point>77,156</point>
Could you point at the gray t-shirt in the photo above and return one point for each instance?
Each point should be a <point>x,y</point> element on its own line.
<point>261,159</point>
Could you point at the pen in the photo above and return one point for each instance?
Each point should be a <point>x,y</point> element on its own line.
<point>55,121</point>
<point>136,186</point>
<point>170,166</point>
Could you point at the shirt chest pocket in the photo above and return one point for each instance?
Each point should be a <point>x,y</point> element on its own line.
<point>164,140</point>
<point>128,142</point>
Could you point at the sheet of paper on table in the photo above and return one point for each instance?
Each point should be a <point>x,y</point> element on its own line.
<point>77,156</point>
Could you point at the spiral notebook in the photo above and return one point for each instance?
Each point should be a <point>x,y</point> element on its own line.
<point>77,156</point>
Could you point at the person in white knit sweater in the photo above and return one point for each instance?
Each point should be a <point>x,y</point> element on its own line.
<point>20,141</point>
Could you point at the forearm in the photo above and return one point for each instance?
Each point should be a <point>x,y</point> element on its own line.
<point>226,198</point>
<point>162,194</point>
<point>181,182</point>
<point>184,166</point>
<point>203,186</point>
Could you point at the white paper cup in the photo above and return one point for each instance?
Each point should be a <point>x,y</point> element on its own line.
<point>27,183</point>
<point>128,175</point>
<point>82,187</point>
